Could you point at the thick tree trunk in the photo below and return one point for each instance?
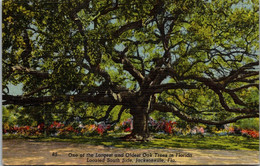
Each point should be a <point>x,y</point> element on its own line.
<point>140,111</point>
<point>140,125</point>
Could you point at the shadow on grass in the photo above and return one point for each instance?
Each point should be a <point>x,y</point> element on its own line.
<point>164,141</point>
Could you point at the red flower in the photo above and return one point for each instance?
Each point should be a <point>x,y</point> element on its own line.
<point>70,128</point>
<point>128,129</point>
<point>252,133</point>
<point>168,127</point>
<point>244,131</point>
<point>100,130</point>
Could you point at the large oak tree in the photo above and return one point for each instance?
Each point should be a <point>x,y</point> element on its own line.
<point>187,57</point>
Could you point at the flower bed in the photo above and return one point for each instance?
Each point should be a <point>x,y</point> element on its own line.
<point>161,126</point>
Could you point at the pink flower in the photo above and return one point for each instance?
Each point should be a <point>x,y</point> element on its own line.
<point>40,126</point>
<point>201,130</point>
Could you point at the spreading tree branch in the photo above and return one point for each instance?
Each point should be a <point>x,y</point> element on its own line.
<point>22,100</point>
<point>36,73</point>
<point>164,108</point>
<point>104,118</point>
<point>128,66</point>
<point>132,25</point>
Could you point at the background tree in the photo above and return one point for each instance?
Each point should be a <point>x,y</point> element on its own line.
<point>196,59</point>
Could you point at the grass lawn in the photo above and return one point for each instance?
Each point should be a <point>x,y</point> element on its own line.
<point>164,141</point>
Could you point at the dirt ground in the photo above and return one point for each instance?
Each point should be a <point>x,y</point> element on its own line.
<point>30,152</point>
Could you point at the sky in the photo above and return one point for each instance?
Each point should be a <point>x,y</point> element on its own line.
<point>15,90</point>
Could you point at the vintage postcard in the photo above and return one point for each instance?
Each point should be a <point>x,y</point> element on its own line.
<point>130,82</point>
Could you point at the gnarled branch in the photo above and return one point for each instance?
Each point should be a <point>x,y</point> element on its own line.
<point>164,108</point>
<point>21,100</point>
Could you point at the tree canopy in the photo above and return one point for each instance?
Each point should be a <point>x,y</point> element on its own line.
<point>191,58</point>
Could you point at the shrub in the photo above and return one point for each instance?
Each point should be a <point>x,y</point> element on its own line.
<point>249,124</point>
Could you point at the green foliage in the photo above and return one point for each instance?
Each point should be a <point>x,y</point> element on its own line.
<point>72,43</point>
<point>31,116</point>
<point>252,123</point>
<point>9,116</point>
<point>162,115</point>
